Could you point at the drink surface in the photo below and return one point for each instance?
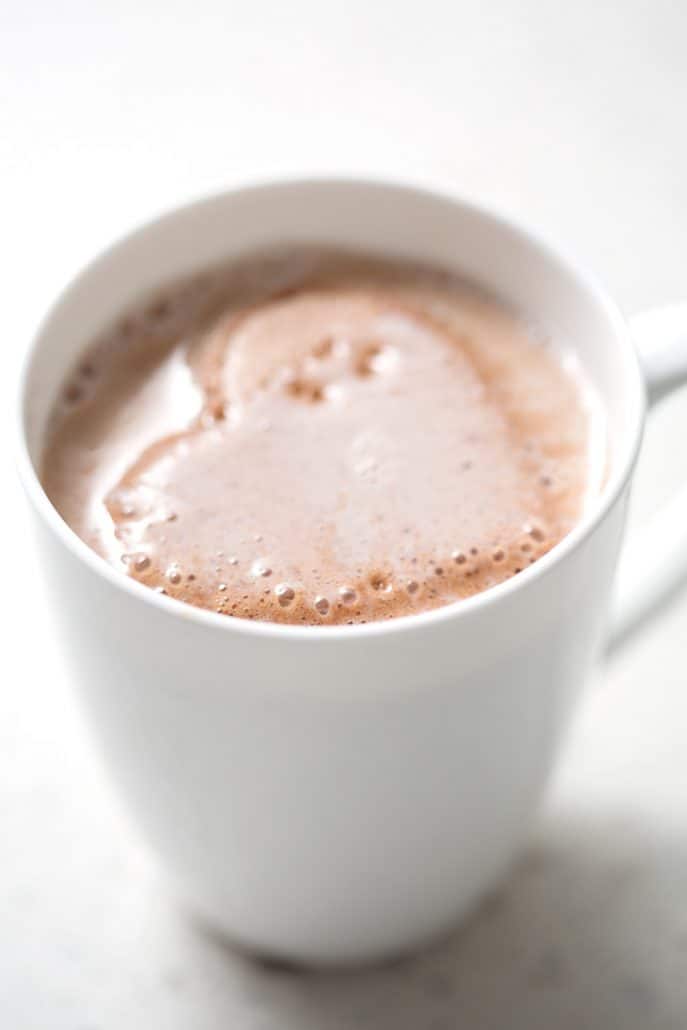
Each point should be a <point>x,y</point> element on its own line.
<point>315,436</point>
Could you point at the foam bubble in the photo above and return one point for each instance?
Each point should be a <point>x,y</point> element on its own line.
<point>324,348</point>
<point>138,561</point>
<point>285,594</point>
<point>73,393</point>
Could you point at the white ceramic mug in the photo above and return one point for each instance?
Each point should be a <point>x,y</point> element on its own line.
<point>340,794</point>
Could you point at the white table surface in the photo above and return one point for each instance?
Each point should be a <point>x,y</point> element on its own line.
<point>569,115</point>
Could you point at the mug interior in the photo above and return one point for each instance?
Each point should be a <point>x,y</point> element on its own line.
<point>559,299</point>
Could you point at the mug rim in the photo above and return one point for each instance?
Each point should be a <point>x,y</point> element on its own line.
<point>463,608</point>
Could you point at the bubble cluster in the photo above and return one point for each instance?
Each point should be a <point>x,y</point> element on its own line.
<point>322,374</point>
<point>381,593</point>
<point>239,586</point>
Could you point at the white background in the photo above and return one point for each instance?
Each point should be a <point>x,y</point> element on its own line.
<point>571,116</point>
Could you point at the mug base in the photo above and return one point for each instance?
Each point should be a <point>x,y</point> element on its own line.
<point>299,958</point>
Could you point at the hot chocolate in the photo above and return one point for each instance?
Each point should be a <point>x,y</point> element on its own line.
<point>313,436</point>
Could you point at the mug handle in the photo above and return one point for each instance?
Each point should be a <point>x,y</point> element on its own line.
<point>654,561</point>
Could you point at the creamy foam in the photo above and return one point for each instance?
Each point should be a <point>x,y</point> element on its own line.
<point>320,437</point>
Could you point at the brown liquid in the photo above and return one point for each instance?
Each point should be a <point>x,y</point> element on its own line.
<point>319,437</point>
